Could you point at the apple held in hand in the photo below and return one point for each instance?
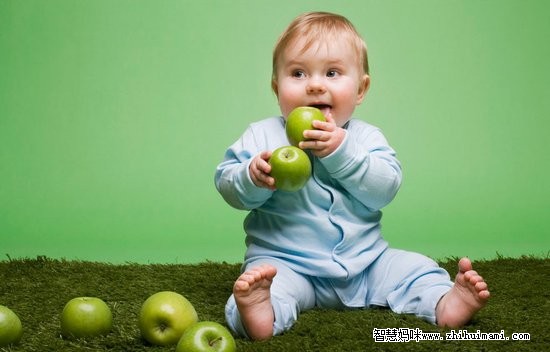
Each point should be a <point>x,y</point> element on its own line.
<point>290,167</point>
<point>206,336</point>
<point>10,327</point>
<point>86,317</point>
<point>164,316</point>
<point>299,120</point>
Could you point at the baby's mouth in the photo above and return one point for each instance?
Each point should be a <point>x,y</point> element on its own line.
<point>325,108</point>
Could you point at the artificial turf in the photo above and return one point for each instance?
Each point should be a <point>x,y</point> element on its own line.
<point>37,289</point>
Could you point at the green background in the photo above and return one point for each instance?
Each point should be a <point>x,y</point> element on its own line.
<point>114,115</point>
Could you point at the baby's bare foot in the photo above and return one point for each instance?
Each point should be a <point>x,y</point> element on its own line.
<point>253,297</point>
<point>468,295</point>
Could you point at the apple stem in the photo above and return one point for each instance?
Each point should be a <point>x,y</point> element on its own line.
<point>213,342</point>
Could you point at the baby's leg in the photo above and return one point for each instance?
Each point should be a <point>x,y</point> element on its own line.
<point>253,298</point>
<point>407,282</point>
<point>468,295</point>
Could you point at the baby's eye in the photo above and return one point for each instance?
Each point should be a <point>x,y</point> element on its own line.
<point>332,73</point>
<point>298,74</point>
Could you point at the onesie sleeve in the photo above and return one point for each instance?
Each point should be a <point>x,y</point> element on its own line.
<point>232,178</point>
<point>366,166</point>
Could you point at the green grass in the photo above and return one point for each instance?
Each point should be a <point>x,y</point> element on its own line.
<point>38,289</point>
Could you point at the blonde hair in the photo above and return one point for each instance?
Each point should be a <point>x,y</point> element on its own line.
<point>315,26</point>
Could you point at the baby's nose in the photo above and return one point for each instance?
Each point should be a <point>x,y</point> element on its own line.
<point>315,86</point>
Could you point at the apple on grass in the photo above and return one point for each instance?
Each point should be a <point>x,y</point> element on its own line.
<point>290,167</point>
<point>86,317</point>
<point>299,120</point>
<point>11,329</point>
<point>206,336</point>
<point>164,316</point>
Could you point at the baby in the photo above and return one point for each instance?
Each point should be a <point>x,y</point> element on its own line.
<point>322,245</point>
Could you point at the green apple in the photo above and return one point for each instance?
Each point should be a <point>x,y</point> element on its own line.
<point>86,317</point>
<point>299,120</point>
<point>10,327</point>
<point>290,167</point>
<point>206,336</point>
<point>164,316</point>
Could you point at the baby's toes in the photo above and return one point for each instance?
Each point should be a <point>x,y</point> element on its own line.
<point>241,285</point>
<point>468,275</point>
<point>481,286</point>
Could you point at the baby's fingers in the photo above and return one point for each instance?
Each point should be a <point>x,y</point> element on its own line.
<point>318,135</point>
<point>260,169</point>
<point>323,126</point>
<point>266,181</point>
<point>263,162</point>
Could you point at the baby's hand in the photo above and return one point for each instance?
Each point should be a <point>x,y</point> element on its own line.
<point>325,139</point>
<point>259,170</point>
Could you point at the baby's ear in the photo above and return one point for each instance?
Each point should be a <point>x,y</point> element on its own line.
<point>275,87</point>
<point>364,85</point>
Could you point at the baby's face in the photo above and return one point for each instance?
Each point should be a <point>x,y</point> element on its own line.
<point>327,75</point>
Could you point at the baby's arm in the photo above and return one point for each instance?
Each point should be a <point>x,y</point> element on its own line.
<point>240,176</point>
<point>366,166</point>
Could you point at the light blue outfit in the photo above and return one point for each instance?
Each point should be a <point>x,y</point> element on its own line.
<point>325,240</point>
